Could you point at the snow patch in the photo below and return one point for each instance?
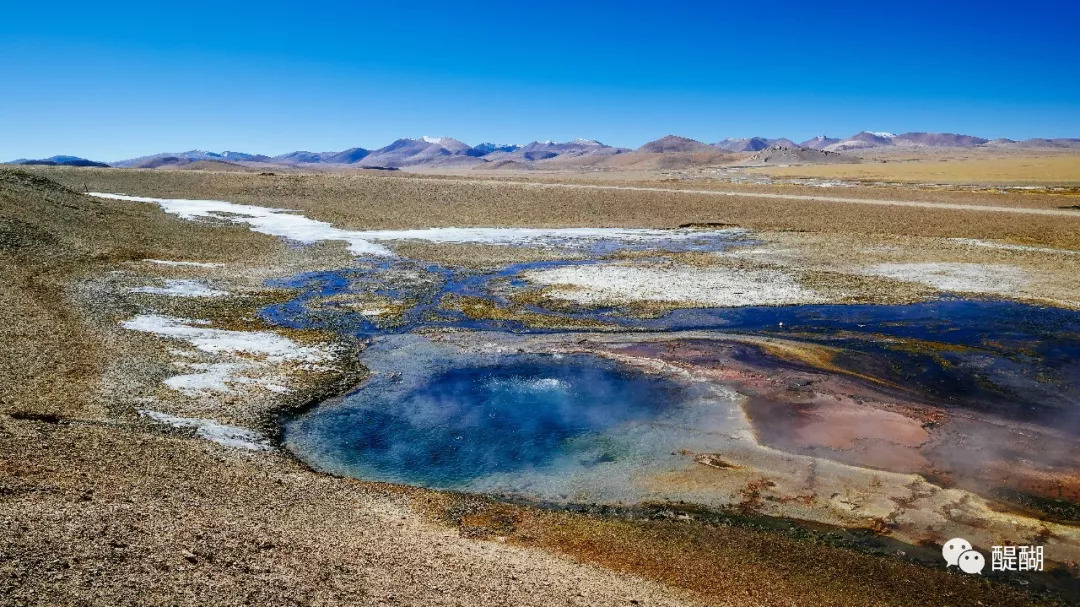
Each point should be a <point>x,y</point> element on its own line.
<point>211,377</point>
<point>219,378</point>
<point>181,288</point>
<point>293,226</point>
<point>718,287</point>
<point>275,222</point>
<point>250,359</point>
<point>228,436</point>
<point>273,347</point>
<point>964,277</point>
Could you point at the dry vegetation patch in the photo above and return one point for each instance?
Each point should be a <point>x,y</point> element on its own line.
<point>1060,169</point>
<point>364,201</point>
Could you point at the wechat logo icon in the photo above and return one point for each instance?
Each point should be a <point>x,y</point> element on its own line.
<point>958,551</point>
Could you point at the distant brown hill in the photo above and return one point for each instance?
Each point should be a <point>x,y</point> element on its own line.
<point>673,143</point>
<point>180,162</point>
<point>70,161</point>
<point>426,151</point>
<point>951,140</point>
<point>642,161</point>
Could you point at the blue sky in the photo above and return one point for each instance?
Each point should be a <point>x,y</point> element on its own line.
<point>110,80</point>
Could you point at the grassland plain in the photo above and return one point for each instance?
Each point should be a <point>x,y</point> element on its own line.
<point>99,505</point>
<point>1045,169</point>
<point>366,201</point>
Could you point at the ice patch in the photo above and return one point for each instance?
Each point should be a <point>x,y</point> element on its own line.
<point>719,287</point>
<point>181,288</point>
<point>194,264</point>
<point>228,436</point>
<point>272,346</point>
<point>964,277</point>
<point>293,226</point>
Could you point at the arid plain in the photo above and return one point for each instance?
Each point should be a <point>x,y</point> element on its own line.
<point>121,484</point>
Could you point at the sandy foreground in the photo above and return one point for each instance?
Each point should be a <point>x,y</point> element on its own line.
<point>139,393</point>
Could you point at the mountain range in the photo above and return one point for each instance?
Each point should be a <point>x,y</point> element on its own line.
<point>452,153</point>
<point>74,161</point>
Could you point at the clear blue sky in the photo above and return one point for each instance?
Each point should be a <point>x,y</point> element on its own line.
<point>110,80</point>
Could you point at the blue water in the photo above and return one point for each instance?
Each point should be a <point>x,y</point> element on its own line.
<point>1001,326</point>
<point>519,422</point>
<point>1013,359</point>
<point>523,412</point>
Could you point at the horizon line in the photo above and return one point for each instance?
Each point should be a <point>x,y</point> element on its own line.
<point>428,139</point>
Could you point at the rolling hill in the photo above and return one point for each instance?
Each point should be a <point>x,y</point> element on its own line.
<point>673,143</point>
<point>669,152</point>
<point>70,161</point>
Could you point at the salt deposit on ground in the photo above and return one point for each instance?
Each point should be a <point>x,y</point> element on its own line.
<point>181,288</point>
<point>228,436</point>
<point>965,277</point>
<point>293,226</point>
<point>711,286</point>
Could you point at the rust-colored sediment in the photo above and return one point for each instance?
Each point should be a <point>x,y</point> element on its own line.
<point>797,402</point>
<point>727,565</point>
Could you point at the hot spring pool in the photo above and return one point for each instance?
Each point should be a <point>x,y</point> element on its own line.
<point>527,424</point>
